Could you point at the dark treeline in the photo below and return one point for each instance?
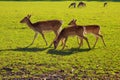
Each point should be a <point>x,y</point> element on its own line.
<point>59,0</point>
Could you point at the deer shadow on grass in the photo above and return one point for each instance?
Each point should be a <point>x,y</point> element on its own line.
<point>50,51</point>
<point>67,51</point>
<point>34,49</point>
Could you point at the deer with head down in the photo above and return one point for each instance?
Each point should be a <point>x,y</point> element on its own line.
<point>72,5</point>
<point>81,4</point>
<point>70,31</point>
<point>41,26</point>
<point>105,4</point>
<point>94,29</point>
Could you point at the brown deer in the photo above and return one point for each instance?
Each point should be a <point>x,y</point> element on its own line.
<point>72,5</point>
<point>94,29</point>
<point>70,31</point>
<point>105,4</point>
<point>41,26</point>
<point>82,4</point>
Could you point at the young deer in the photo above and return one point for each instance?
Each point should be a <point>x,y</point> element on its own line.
<point>94,29</point>
<point>41,26</point>
<point>69,31</point>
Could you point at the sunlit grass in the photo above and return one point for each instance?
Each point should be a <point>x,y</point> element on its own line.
<point>39,59</point>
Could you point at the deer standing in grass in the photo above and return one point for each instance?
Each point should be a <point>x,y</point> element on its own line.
<point>105,4</point>
<point>82,4</point>
<point>41,26</point>
<point>72,5</point>
<point>70,31</point>
<point>94,29</point>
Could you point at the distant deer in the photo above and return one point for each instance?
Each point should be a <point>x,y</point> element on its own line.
<point>94,29</point>
<point>105,4</point>
<point>41,26</point>
<point>70,31</point>
<point>82,4</point>
<point>72,5</point>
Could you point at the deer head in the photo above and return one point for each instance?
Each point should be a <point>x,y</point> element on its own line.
<point>73,22</point>
<point>55,44</point>
<point>25,19</point>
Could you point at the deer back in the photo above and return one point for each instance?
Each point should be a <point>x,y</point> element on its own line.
<point>92,29</point>
<point>48,25</point>
<point>73,30</point>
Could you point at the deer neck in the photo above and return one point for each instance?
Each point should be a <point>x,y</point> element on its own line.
<point>75,24</point>
<point>28,22</point>
<point>59,38</point>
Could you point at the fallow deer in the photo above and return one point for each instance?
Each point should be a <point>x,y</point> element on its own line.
<point>94,29</point>
<point>70,31</point>
<point>72,5</point>
<point>82,4</point>
<point>41,26</point>
<point>105,4</point>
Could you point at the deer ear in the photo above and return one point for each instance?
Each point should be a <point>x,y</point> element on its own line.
<point>75,20</point>
<point>28,16</point>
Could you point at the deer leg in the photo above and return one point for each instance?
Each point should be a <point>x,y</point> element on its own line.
<point>78,6</point>
<point>78,40</point>
<point>51,43</point>
<point>74,6</point>
<point>56,33</point>
<point>102,39</point>
<point>95,41</point>
<point>86,41</point>
<point>44,38</point>
<point>69,6</point>
<point>81,42</point>
<point>35,36</point>
<point>64,44</point>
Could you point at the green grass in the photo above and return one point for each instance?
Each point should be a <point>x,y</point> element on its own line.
<point>19,62</point>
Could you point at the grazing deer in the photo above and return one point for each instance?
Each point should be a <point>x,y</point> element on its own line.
<point>82,4</point>
<point>41,26</point>
<point>72,5</point>
<point>105,4</point>
<point>70,31</point>
<point>94,29</point>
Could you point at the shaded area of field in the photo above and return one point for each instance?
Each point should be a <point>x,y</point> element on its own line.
<point>61,74</point>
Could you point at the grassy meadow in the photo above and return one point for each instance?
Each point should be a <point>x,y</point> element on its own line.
<point>72,63</point>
